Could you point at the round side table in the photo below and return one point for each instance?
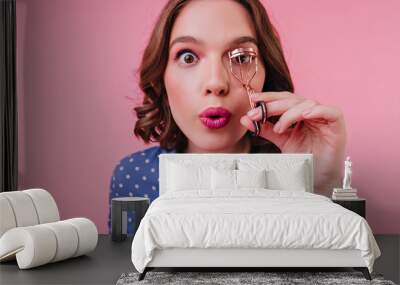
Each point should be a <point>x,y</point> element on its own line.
<point>119,214</point>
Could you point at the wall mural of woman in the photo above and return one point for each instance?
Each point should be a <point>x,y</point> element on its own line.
<point>194,104</point>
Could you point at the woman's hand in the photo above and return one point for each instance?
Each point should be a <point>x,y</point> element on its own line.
<point>319,130</point>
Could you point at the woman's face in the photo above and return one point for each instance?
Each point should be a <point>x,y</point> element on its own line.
<point>197,75</point>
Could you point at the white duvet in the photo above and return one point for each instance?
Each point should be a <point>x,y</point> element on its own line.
<point>252,218</point>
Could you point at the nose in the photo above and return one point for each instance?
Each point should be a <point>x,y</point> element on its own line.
<point>217,79</point>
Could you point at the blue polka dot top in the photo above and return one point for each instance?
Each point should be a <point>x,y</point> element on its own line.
<point>136,175</point>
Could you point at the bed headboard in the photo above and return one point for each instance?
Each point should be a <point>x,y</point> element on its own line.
<point>210,158</point>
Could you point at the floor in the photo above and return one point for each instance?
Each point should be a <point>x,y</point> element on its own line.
<point>388,263</point>
<point>110,260</point>
<point>103,266</point>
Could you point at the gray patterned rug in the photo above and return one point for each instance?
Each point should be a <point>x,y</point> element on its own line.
<point>243,278</point>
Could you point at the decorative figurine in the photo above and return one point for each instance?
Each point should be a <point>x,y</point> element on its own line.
<point>347,174</point>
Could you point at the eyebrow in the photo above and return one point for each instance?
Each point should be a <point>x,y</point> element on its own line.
<point>190,39</point>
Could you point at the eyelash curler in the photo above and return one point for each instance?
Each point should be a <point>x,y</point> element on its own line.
<point>243,65</point>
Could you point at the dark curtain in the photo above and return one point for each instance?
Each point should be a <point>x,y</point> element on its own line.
<point>8,98</point>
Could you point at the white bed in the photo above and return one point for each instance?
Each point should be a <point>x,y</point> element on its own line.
<point>203,220</point>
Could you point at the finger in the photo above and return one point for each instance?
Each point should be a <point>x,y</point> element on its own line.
<point>293,115</point>
<point>281,106</point>
<point>274,108</point>
<point>329,113</point>
<point>266,131</point>
<point>272,96</point>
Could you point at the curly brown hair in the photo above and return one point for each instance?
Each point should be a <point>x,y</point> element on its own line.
<point>155,122</point>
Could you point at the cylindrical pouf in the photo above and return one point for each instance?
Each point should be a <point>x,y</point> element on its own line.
<point>23,208</point>
<point>45,205</point>
<point>119,210</point>
<point>7,218</point>
<point>87,235</point>
<point>33,246</point>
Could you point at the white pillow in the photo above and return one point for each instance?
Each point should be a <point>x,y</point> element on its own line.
<point>185,175</point>
<point>227,179</point>
<point>182,178</point>
<point>282,174</point>
<point>223,179</point>
<point>292,179</point>
<point>251,178</point>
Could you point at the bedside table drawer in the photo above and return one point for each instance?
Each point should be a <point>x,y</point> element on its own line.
<point>357,206</point>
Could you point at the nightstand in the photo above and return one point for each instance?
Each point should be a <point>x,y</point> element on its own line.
<point>119,213</point>
<point>357,205</point>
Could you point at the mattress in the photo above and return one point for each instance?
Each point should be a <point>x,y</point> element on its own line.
<point>250,218</point>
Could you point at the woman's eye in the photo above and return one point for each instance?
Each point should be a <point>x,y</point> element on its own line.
<point>186,57</point>
<point>243,59</point>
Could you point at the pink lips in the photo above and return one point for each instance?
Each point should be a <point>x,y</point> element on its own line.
<point>215,117</point>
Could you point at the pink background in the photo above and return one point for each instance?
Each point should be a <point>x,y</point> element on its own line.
<point>77,62</point>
